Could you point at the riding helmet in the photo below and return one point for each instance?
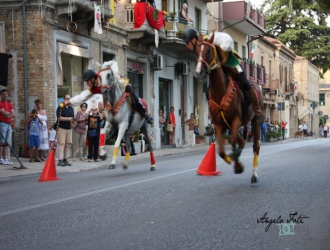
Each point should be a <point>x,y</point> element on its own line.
<point>188,34</point>
<point>88,74</point>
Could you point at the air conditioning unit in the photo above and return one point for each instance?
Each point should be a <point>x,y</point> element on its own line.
<point>184,68</point>
<point>158,63</point>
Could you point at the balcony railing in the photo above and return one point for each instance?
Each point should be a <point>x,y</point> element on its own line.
<point>242,16</point>
<point>255,72</point>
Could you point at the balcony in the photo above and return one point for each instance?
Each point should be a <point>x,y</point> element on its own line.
<point>145,34</point>
<point>254,72</point>
<point>244,18</point>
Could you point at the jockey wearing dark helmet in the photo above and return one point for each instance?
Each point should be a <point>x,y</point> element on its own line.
<point>190,37</point>
<point>92,80</point>
<point>138,104</point>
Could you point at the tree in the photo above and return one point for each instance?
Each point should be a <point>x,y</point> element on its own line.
<point>324,5</point>
<point>302,26</point>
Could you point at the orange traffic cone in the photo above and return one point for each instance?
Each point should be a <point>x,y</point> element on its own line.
<point>49,171</point>
<point>208,165</point>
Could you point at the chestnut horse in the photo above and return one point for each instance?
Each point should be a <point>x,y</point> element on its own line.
<point>227,106</point>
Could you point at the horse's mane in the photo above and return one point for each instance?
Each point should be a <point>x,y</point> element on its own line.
<point>113,65</point>
<point>114,68</point>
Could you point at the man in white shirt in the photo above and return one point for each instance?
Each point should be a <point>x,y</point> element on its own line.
<point>305,128</point>
<point>325,130</point>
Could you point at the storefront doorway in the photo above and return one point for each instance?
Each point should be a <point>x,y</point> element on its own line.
<point>165,86</point>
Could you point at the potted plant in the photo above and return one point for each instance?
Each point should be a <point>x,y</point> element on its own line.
<point>171,17</point>
<point>226,139</point>
<point>109,145</point>
<point>136,141</point>
<point>200,139</point>
<point>272,136</point>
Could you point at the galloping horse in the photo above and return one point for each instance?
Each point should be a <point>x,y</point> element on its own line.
<point>120,115</point>
<point>226,103</point>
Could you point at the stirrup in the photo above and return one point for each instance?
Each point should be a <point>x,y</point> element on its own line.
<point>260,117</point>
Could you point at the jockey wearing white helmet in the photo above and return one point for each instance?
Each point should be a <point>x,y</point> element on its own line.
<point>226,43</point>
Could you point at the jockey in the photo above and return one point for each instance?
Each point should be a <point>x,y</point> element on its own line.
<point>226,43</point>
<point>94,87</point>
<point>138,104</point>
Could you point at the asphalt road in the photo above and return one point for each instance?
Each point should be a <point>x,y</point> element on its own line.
<point>174,208</point>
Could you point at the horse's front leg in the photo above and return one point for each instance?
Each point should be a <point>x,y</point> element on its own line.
<point>236,140</point>
<point>116,147</point>
<point>256,149</point>
<point>219,136</point>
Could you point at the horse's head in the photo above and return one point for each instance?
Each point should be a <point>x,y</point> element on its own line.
<point>208,57</point>
<point>109,76</point>
<point>109,73</point>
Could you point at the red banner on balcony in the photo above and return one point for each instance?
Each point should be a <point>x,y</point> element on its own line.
<point>156,20</point>
<point>140,14</point>
<point>142,11</point>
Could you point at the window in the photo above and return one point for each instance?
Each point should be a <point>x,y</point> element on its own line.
<point>322,99</point>
<point>2,37</point>
<point>243,51</point>
<point>236,46</point>
<point>197,20</point>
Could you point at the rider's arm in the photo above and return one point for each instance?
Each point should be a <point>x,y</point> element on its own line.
<point>80,99</point>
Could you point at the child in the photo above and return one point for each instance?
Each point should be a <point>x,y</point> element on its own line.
<point>93,133</point>
<point>34,122</point>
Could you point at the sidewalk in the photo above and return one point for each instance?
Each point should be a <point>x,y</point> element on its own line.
<point>8,171</point>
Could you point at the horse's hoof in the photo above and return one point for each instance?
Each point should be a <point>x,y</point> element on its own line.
<point>152,169</point>
<point>103,157</point>
<point>112,166</point>
<point>238,168</point>
<point>254,179</point>
<point>125,167</point>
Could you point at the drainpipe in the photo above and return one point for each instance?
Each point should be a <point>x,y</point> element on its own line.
<point>25,69</point>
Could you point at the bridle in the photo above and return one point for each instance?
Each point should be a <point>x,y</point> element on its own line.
<point>215,63</point>
<point>110,78</point>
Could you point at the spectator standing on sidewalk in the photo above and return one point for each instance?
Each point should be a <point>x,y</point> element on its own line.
<point>305,128</point>
<point>65,117</point>
<point>171,120</point>
<point>191,123</point>
<point>7,113</point>
<point>263,132</point>
<point>43,129</point>
<point>79,134</point>
<point>34,123</point>
<point>283,128</point>
<point>325,130</point>
<point>93,133</point>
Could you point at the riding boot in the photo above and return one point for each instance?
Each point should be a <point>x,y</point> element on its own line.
<point>255,105</point>
<point>144,114</point>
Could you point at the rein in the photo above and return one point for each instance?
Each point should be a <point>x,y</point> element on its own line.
<point>213,64</point>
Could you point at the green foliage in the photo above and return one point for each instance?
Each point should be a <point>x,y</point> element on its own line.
<point>272,134</point>
<point>200,137</point>
<point>301,25</point>
<point>155,14</point>
<point>226,136</point>
<point>136,137</point>
<point>322,121</point>
<point>110,142</point>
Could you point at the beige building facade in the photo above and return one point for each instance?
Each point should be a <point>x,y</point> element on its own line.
<point>307,77</point>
